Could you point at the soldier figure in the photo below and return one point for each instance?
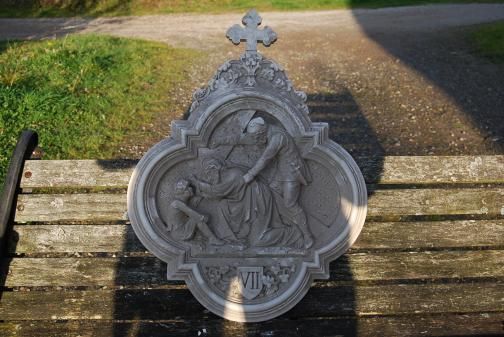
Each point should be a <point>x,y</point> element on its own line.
<point>289,169</point>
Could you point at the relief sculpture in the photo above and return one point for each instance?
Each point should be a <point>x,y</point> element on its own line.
<point>247,201</point>
<point>253,210</point>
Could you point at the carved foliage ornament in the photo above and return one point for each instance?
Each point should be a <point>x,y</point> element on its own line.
<point>248,201</point>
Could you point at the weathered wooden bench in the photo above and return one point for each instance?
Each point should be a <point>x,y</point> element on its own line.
<point>430,260</point>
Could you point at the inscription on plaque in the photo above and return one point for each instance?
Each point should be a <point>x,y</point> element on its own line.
<point>250,281</point>
<point>247,201</point>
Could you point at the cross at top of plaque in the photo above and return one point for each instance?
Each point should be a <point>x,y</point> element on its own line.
<point>250,33</point>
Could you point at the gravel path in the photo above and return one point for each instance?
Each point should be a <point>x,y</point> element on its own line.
<point>398,81</point>
<point>195,30</point>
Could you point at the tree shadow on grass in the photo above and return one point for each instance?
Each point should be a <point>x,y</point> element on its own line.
<point>32,8</point>
<point>4,45</point>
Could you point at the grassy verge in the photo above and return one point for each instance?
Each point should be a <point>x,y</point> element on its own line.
<point>51,8</point>
<point>489,41</point>
<point>84,94</point>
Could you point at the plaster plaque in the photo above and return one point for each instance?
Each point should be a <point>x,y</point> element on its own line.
<point>248,201</point>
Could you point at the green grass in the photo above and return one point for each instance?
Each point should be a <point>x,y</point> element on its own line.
<point>52,8</point>
<point>489,41</point>
<point>84,94</point>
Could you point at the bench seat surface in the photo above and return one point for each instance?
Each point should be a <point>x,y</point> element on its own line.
<point>430,259</point>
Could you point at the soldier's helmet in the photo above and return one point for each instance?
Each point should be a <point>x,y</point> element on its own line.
<point>256,126</point>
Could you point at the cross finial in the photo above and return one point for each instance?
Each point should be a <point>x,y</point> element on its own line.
<point>250,33</point>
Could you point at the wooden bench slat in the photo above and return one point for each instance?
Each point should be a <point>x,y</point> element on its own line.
<point>409,325</point>
<point>382,203</point>
<point>96,207</point>
<point>74,238</point>
<point>33,272</point>
<point>462,201</point>
<point>388,170</point>
<point>375,235</point>
<point>430,234</point>
<point>419,170</point>
<point>165,304</point>
<point>77,173</point>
